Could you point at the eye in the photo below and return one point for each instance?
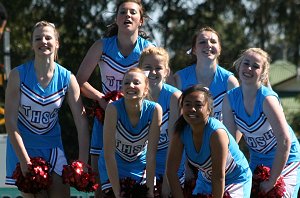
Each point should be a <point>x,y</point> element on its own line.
<point>133,12</point>
<point>256,66</point>
<point>202,42</point>
<point>159,68</point>
<point>137,83</point>
<point>213,41</point>
<point>146,68</point>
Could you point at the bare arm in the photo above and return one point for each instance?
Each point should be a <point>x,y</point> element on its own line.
<point>232,82</point>
<point>174,112</point>
<point>177,81</point>
<point>79,115</point>
<point>153,139</point>
<point>85,70</point>
<point>173,163</point>
<point>12,102</point>
<point>109,147</point>
<point>219,150</point>
<point>173,115</point>
<point>228,119</point>
<point>276,117</point>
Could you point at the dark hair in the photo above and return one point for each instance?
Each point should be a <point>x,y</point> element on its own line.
<point>181,123</point>
<point>3,14</point>
<point>112,29</point>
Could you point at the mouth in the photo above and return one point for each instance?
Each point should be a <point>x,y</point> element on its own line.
<point>191,116</point>
<point>247,75</point>
<point>127,22</point>
<point>152,77</point>
<point>209,52</point>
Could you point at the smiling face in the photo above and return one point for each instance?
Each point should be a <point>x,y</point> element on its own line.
<point>156,66</point>
<point>44,41</point>
<point>134,85</point>
<point>207,46</point>
<point>129,16</point>
<point>195,108</point>
<point>251,68</point>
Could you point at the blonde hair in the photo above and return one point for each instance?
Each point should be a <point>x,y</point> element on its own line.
<point>138,70</point>
<point>265,66</point>
<point>56,34</point>
<point>156,51</point>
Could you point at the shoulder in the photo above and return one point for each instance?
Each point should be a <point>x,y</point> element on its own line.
<point>144,42</point>
<point>170,88</point>
<point>186,69</point>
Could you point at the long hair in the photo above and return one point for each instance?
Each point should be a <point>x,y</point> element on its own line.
<point>181,123</point>
<point>112,29</point>
<point>265,67</point>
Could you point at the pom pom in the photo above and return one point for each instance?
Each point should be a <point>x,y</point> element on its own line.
<point>36,179</point>
<point>97,111</point>
<point>262,173</point>
<point>131,189</point>
<point>80,176</point>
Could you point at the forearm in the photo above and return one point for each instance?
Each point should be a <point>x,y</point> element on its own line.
<point>174,183</point>
<point>113,175</point>
<point>281,157</point>
<point>18,145</point>
<point>218,186</point>
<point>90,92</point>
<point>150,170</point>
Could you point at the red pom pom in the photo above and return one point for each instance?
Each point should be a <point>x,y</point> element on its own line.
<point>262,173</point>
<point>80,176</point>
<point>36,179</point>
<point>97,111</point>
<point>132,189</point>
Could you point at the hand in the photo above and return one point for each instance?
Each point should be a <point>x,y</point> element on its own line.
<point>103,103</point>
<point>165,189</point>
<point>24,167</point>
<point>266,186</point>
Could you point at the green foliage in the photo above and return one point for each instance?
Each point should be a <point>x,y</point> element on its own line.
<point>271,25</point>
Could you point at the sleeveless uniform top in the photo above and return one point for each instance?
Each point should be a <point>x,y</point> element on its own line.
<point>236,169</point>
<point>113,64</point>
<point>217,88</point>
<point>39,107</point>
<point>164,100</point>
<point>256,129</point>
<point>131,142</point>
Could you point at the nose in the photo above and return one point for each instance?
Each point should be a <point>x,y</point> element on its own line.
<point>128,13</point>
<point>193,109</point>
<point>44,40</point>
<point>131,84</point>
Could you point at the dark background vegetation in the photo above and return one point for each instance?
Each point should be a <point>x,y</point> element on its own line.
<point>270,24</point>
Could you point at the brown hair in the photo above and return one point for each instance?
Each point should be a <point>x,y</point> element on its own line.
<point>205,29</point>
<point>112,29</point>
